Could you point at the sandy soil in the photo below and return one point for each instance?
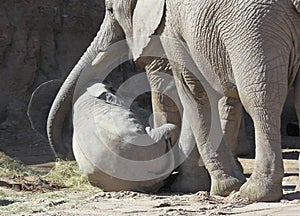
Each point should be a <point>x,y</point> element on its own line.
<point>131,203</point>
<point>38,198</point>
<point>51,200</point>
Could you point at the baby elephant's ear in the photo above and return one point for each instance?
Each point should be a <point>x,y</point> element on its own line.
<point>147,17</point>
<point>97,90</point>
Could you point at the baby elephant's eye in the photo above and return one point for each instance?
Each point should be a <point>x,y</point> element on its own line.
<point>110,10</point>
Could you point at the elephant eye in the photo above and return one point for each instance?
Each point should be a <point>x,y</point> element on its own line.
<point>110,10</point>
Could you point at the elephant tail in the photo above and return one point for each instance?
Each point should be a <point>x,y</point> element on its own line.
<point>40,104</point>
<point>38,111</point>
<point>60,117</point>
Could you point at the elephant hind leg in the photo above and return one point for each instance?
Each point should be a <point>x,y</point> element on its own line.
<point>192,176</point>
<point>265,104</point>
<point>203,117</point>
<point>230,110</point>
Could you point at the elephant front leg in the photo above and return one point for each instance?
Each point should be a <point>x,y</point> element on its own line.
<point>165,101</point>
<point>203,117</point>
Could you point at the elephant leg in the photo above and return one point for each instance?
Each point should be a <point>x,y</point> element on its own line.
<point>166,109</point>
<point>203,117</point>
<point>243,144</point>
<point>192,176</point>
<point>165,101</point>
<point>264,104</point>
<point>230,110</point>
<point>265,183</point>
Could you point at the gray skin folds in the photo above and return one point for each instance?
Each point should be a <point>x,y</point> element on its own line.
<point>223,55</point>
<point>114,150</point>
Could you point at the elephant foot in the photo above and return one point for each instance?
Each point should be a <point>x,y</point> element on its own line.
<point>261,188</point>
<point>223,185</point>
<point>185,183</point>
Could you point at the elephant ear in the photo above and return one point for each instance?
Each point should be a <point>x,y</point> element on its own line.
<point>100,90</point>
<point>146,19</point>
<point>97,90</point>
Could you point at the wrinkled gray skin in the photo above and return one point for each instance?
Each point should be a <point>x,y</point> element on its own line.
<point>192,176</point>
<point>252,61</point>
<point>247,51</point>
<point>109,144</point>
<point>107,136</point>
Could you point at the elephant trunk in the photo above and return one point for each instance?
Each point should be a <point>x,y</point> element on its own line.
<point>62,105</point>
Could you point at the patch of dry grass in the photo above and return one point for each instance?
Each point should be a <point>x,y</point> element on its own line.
<point>66,173</point>
<point>13,167</point>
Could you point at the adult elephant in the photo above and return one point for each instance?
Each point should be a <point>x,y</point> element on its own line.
<point>246,52</point>
<point>238,51</point>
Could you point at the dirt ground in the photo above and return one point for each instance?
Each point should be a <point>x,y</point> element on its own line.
<point>20,199</point>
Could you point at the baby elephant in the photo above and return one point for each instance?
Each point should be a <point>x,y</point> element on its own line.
<point>116,151</point>
<point>112,147</point>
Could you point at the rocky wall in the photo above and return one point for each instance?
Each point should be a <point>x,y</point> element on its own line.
<point>39,40</point>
